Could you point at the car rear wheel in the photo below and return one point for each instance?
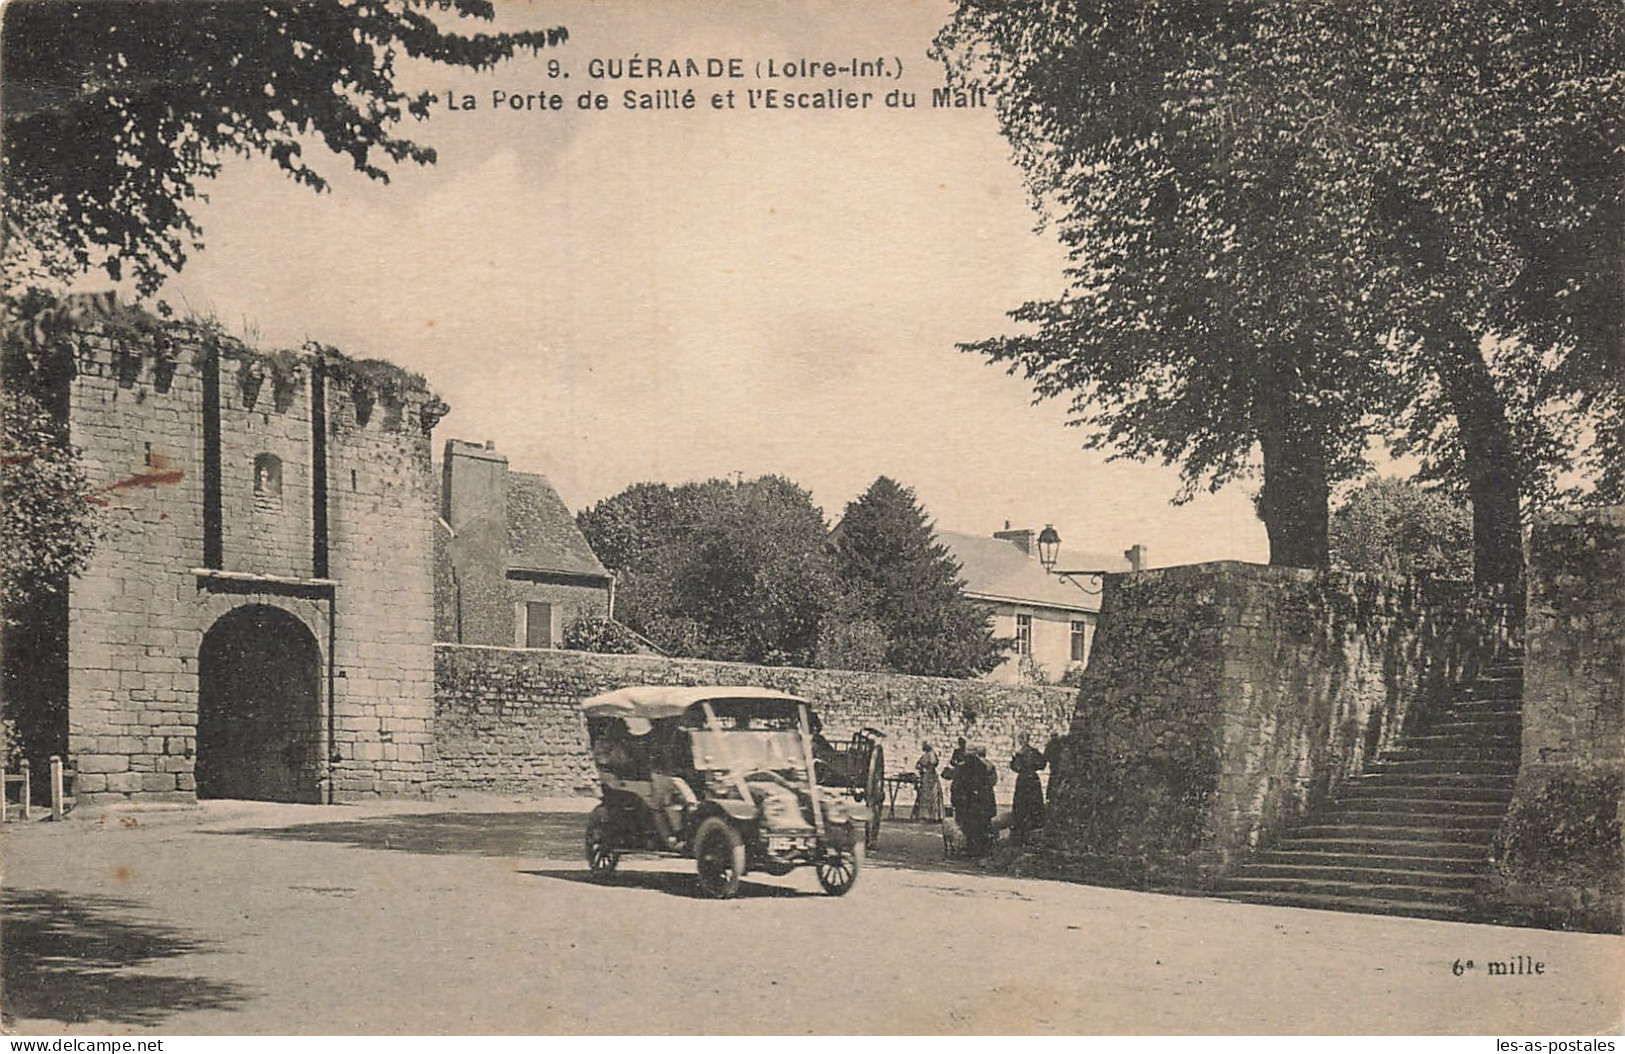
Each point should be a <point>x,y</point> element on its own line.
<point>719,855</point>
<point>838,868</point>
<point>601,858</point>
<point>874,790</point>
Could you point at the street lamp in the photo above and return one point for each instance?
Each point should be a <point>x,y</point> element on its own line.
<point>1048,544</point>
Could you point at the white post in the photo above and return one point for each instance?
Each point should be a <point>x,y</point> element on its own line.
<point>56,787</point>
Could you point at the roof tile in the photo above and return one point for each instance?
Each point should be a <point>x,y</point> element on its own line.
<point>542,535</point>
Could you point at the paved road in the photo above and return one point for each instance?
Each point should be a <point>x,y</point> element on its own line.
<point>474,916</point>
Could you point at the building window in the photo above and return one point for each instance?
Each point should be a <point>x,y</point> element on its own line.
<point>538,625</point>
<point>1024,634</point>
<point>268,482</point>
<point>1080,640</point>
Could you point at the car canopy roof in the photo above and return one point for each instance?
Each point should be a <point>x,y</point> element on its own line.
<point>654,701</point>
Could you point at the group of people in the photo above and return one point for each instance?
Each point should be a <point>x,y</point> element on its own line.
<point>972,778</point>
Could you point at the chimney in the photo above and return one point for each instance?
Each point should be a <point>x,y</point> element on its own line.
<point>1022,539</point>
<point>474,484</point>
<point>1136,557</point>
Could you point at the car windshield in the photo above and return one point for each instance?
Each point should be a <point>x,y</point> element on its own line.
<point>745,752</point>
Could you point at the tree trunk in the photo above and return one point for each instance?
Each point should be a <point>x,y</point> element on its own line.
<point>1487,454</point>
<point>1295,500</point>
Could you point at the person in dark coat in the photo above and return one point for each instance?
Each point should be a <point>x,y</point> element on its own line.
<point>1027,813</point>
<point>977,820</point>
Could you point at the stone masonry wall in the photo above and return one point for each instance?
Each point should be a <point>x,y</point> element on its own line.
<point>1559,849</point>
<point>382,500</point>
<point>133,638</point>
<point>265,531</point>
<point>508,718</point>
<point>139,613</point>
<point>1224,699</point>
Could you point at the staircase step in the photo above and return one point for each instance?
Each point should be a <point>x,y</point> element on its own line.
<point>1378,876</point>
<point>1497,794</point>
<point>1502,753</point>
<point>1360,817</point>
<point>1484,738</point>
<point>1420,909</point>
<point>1479,717</point>
<point>1508,753</point>
<point>1345,888</point>
<point>1447,766</point>
<point>1477,836</point>
<point>1476,723</point>
<point>1478,705</point>
<point>1421,780</point>
<point>1383,861</point>
<point>1408,801</point>
<point>1506,736</point>
<point>1506,680</point>
<point>1476,853</point>
<point>1486,702</point>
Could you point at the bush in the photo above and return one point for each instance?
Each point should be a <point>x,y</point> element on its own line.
<point>596,633</point>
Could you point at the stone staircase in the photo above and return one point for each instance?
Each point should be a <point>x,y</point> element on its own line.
<point>1411,836</point>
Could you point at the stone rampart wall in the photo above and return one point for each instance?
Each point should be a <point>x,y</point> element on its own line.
<point>1559,850</point>
<point>1222,700</point>
<point>507,718</point>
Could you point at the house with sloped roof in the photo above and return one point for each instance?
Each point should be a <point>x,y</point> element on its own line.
<point>511,567</point>
<point>1049,614</point>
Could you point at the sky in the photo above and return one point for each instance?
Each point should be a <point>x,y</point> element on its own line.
<point>626,295</point>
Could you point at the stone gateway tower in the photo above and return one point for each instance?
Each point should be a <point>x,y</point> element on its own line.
<point>257,621</point>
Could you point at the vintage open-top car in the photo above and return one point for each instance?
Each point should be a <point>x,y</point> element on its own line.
<point>724,775</point>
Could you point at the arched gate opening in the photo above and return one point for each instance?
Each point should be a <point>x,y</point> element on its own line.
<point>259,708</point>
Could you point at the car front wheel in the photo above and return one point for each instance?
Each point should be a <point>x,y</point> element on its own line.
<point>838,868</point>
<point>719,854</point>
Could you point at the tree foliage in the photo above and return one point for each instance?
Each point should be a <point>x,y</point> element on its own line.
<point>718,570</point>
<point>1392,526</point>
<point>1496,130</point>
<point>48,510</point>
<point>1215,291</point>
<point>631,530</point>
<point>908,585</point>
<point>1294,223</point>
<point>115,110</point>
<point>750,574</point>
<point>743,571</point>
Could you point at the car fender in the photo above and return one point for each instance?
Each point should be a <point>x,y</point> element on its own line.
<point>742,815</point>
<point>738,811</point>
